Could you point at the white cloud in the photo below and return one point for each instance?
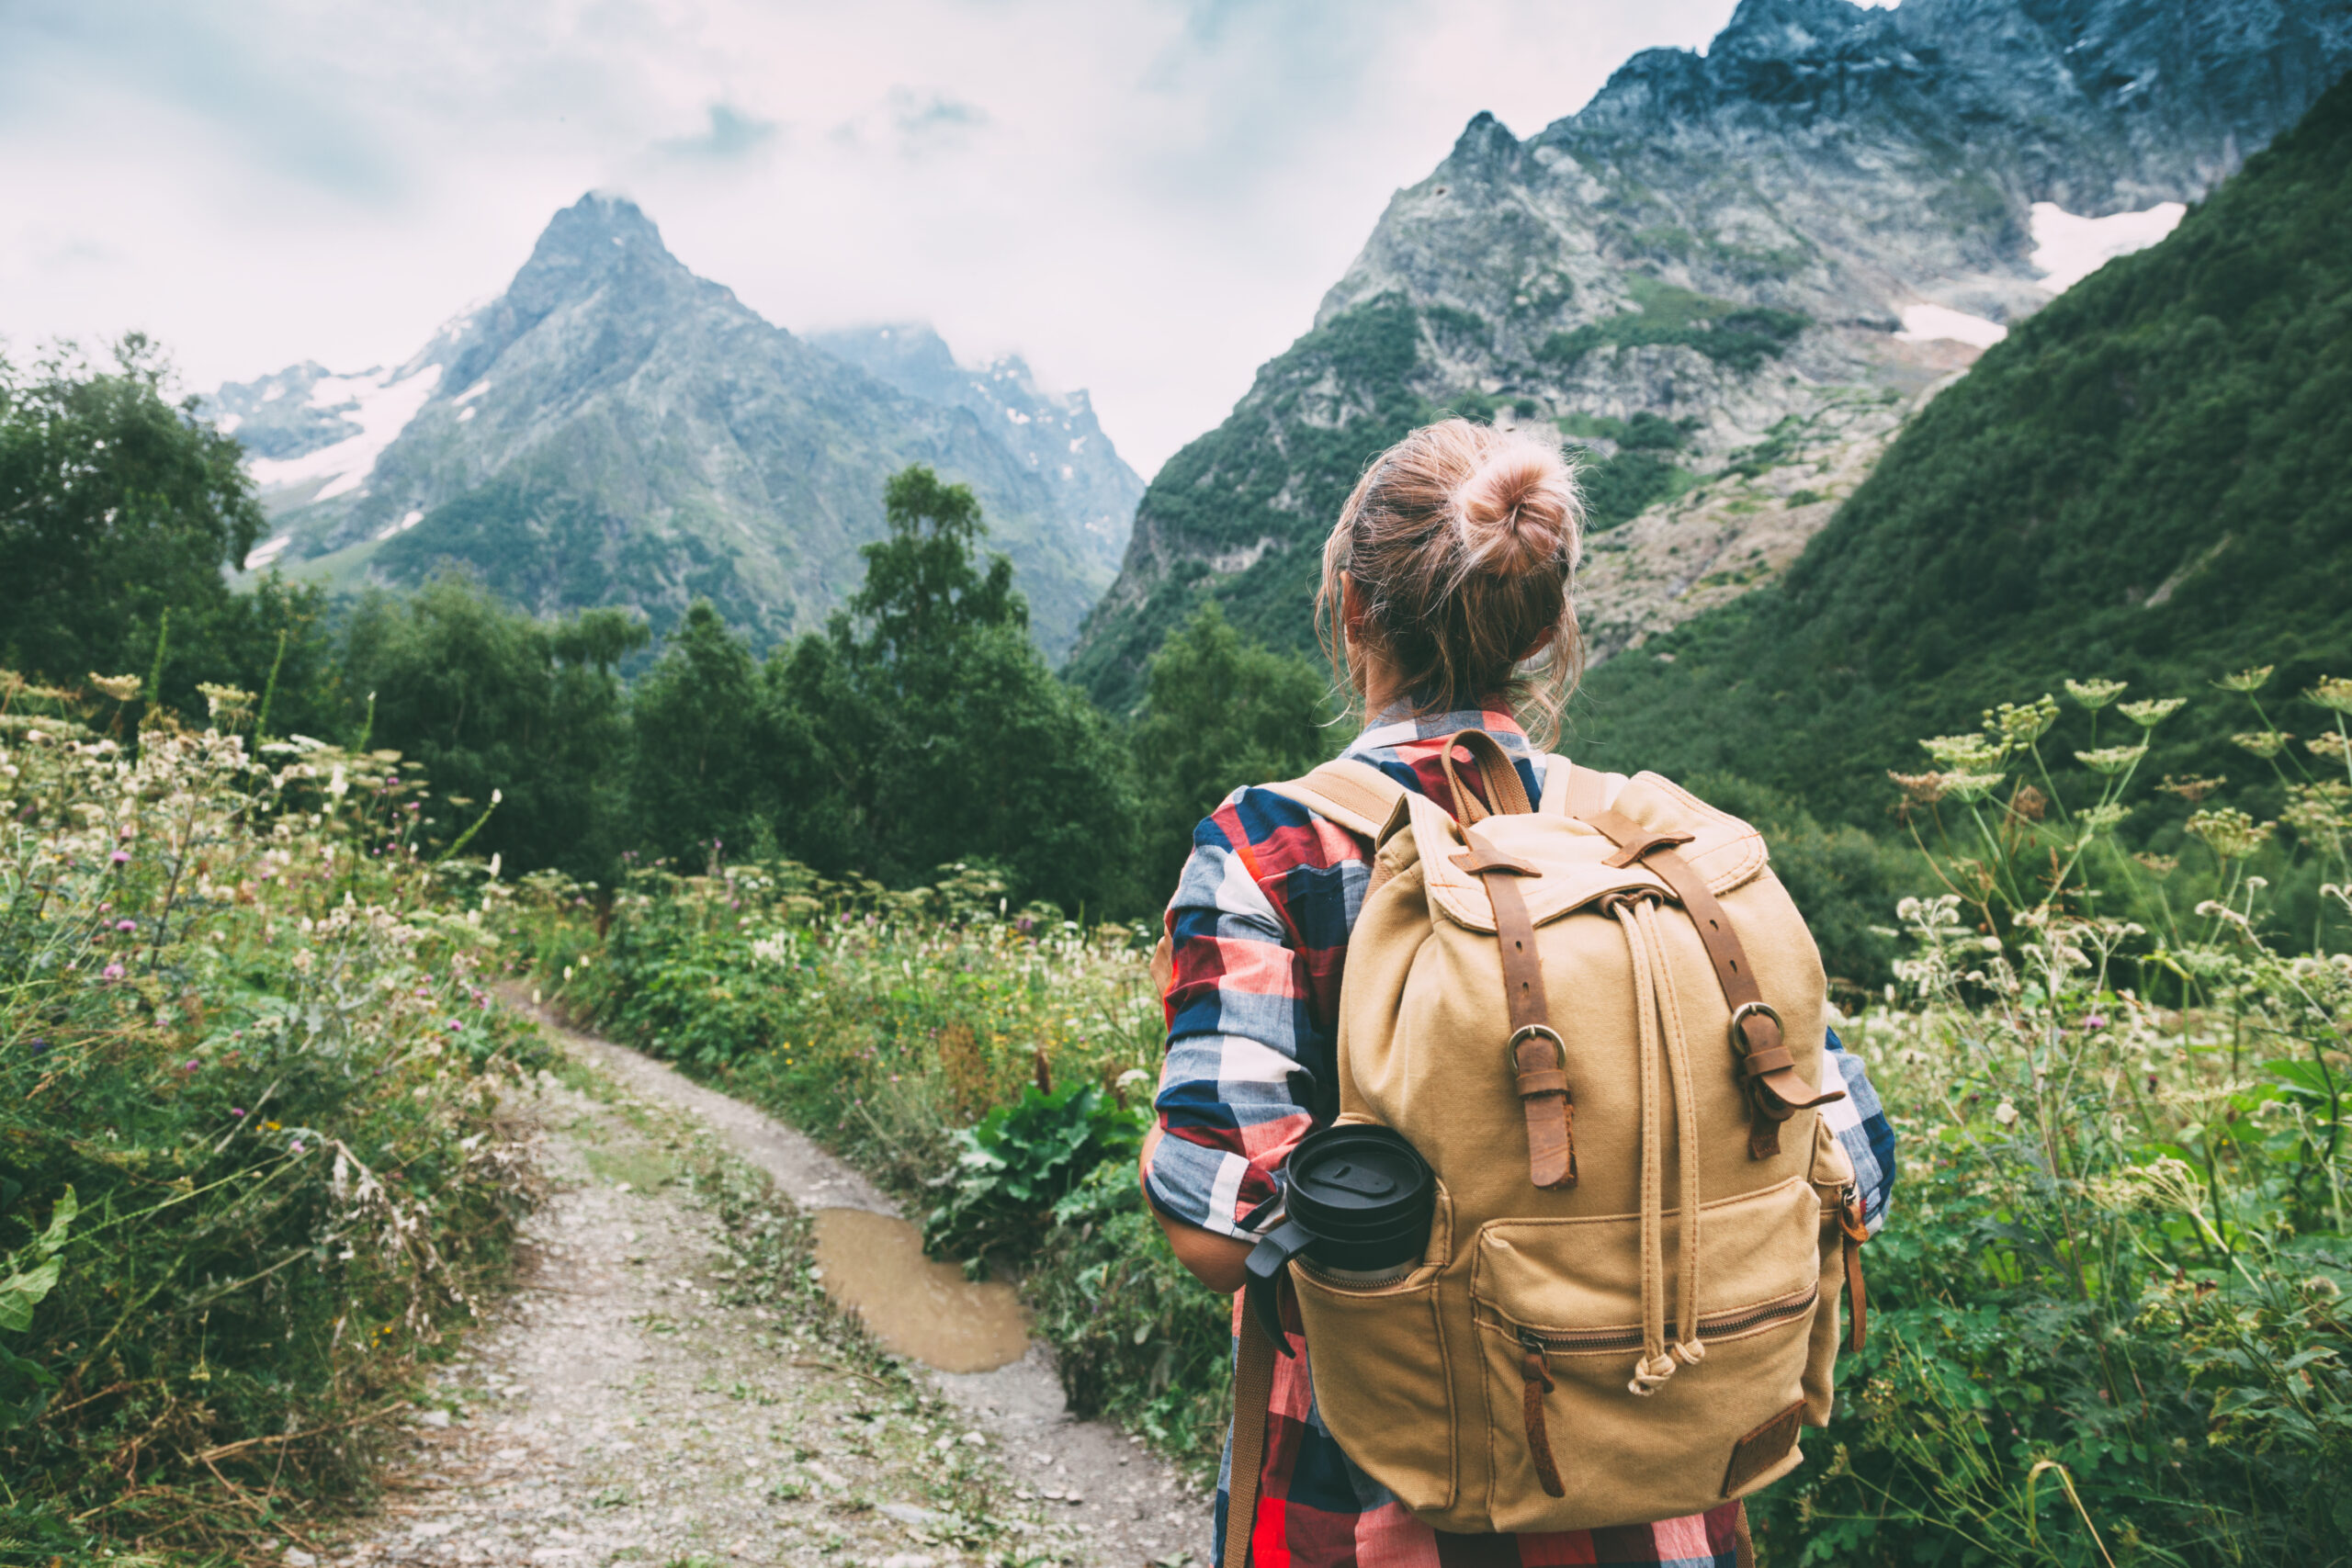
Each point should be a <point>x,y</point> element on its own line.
<point>1146,198</point>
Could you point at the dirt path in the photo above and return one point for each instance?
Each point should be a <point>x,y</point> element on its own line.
<point>671,1386</point>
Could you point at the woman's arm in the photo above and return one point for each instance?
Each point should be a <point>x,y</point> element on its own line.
<point>1214,1260</point>
<point>1235,1086</point>
<point>1860,1123</point>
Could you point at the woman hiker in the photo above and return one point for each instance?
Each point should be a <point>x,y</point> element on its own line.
<point>1446,596</point>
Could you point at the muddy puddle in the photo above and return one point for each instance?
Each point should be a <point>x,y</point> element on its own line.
<point>874,1265</point>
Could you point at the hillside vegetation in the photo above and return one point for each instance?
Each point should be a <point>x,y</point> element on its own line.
<point>2146,482</point>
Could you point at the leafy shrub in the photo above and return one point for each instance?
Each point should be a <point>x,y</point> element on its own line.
<point>1020,1161</point>
<point>1135,1338</point>
<point>240,1030</point>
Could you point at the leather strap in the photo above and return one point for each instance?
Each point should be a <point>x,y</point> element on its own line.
<point>1505,794</point>
<point>1538,1055</point>
<point>1536,1384</point>
<point>1775,1090</point>
<point>1743,1545</point>
<point>1253,1398</point>
<point>1356,795</point>
<point>1857,1305</point>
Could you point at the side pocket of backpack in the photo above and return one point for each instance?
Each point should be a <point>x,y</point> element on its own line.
<point>1381,1380</point>
<point>1832,1174</point>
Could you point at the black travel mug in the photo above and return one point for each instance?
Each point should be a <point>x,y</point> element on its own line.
<point>1356,1201</point>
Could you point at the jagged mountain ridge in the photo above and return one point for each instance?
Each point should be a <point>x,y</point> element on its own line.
<point>1705,275</point>
<point>613,429</point>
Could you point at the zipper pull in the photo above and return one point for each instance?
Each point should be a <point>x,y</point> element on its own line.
<point>1537,1382</point>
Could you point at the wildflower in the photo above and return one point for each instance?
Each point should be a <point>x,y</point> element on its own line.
<point>112,972</point>
<point>225,702</point>
<point>1919,789</point>
<point>121,688</point>
<point>121,857</point>
<point>2329,743</point>
<point>2229,832</point>
<point>2246,679</point>
<point>2096,694</point>
<point>1968,786</point>
<point>272,1126</point>
<point>2152,712</point>
<point>2333,692</point>
<point>191,1066</point>
<point>2005,1113</point>
<point>493,863</point>
<point>2193,788</point>
<point>2265,743</point>
<point>1965,754</point>
<point>2112,758</point>
<point>2094,1020</point>
<point>295,1147</point>
<point>2103,818</point>
<point>2012,726</point>
<point>236,1110</point>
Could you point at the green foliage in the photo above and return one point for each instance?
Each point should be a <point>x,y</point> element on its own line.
<point>1218,714</point>
<point>252,1163</point>
<point>115,503</point>
<point>1137,1340</point>
<point>1741,336</point>
<point>32,1274</point>
<point>1019,1163</point>
<point>2145,481</point>
<point>489,699</point>
<point>1616,489</point>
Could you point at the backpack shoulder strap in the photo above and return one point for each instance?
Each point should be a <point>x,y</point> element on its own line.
<point>1356,795</point>
<point>1571,791</point>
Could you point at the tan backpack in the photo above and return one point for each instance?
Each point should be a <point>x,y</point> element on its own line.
<point>1601,1021</point>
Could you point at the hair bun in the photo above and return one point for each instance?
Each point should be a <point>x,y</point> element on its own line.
<point>1519,510</point>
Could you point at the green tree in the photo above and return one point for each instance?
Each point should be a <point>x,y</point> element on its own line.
<point>702,749</point>
<point>116,504</point>
<point>1219,712</point>
<point>922,726</point>
<point>484,697</point>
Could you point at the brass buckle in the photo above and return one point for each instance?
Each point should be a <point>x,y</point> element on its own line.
<point>1559,1046</point>
<point>1738,1014</point>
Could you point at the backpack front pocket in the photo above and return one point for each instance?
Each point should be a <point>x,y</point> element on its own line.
<point>1378,1359</point>
<point>1558,1308</point>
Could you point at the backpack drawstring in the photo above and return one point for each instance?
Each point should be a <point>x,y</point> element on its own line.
<point>1660,1019</point>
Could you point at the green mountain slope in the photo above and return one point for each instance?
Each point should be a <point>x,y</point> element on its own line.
<point>2150,480</point>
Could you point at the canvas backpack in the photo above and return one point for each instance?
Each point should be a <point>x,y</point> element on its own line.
<point>1600,1021</point>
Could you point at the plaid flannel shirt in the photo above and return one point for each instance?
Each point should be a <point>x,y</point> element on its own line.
<point>1259,933</point>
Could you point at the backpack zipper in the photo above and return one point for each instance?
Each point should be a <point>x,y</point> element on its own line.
<point>1715,1325</point>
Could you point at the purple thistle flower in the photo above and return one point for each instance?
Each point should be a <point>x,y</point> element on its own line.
<point>112,972</point>
<point>126,925</point>
<point>121,857</point>
<point>236,1110</point>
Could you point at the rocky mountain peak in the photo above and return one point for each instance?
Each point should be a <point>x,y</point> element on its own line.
<point>597,240</point>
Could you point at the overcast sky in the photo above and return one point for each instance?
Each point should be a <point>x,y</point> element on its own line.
<point>1144,197</point>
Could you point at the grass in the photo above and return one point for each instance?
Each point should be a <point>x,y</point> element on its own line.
<point>253,1165</point>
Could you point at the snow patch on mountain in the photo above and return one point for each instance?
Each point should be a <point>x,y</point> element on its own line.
<point>2067,249</point>
<point>379,403</point>
<point>1926,323</point>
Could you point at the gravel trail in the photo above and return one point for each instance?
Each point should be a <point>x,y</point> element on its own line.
<point>637,1400</point>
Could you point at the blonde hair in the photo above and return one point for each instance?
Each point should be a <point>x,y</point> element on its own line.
<point>1461,541</point>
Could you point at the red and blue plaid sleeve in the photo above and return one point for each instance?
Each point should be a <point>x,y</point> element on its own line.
<point>1256,933</point>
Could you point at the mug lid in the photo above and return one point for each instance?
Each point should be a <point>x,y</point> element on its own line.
<point>1359,1182</point>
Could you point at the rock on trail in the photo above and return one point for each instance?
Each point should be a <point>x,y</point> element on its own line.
<point>629,1403</point>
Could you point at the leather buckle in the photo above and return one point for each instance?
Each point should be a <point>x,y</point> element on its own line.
<point>1740,1014</point>
<point>1559,1046</point>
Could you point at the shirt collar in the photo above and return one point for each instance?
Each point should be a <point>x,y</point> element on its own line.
<point>1397,725</point>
